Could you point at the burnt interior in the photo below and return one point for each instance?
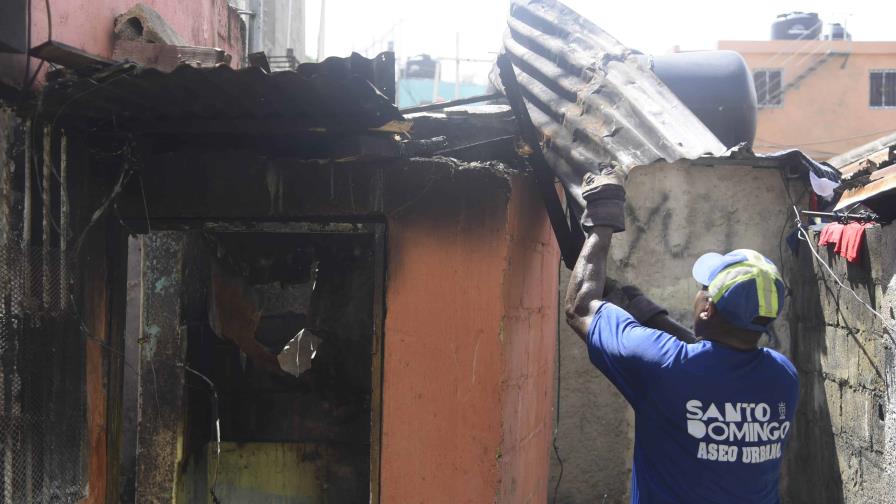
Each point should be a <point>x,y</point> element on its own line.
<point>322,282</point>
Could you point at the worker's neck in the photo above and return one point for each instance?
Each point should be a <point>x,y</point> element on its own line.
<point>747,344</point>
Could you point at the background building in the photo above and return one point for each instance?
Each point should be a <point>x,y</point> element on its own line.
<point>818,90</point>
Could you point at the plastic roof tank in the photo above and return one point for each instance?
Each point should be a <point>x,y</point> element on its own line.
<point>718,88</point>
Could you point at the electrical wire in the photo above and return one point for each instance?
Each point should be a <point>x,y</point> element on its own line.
<point>789,54</point>
<point>805,237</point>
<point>810,52</point>
<point>214,398</point>
<point>555,441</point>
<point>820,142</point>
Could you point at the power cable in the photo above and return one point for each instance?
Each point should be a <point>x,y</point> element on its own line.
<point>555,442</point>
<point>214,398</point>
<point>809,51</point>
<point>767,143</point>
<point>808,42</point>
<point>805,237</point>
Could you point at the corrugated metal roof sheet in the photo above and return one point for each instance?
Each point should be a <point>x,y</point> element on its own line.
<point>592,99</point>
<point>871,173</point>
<point>844,161</point>
<point>335,94</point>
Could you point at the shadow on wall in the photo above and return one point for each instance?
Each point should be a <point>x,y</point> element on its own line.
<point>812,467</point>
<point>595,428</point>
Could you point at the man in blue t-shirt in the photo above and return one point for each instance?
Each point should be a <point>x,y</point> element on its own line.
<point>713,412</point>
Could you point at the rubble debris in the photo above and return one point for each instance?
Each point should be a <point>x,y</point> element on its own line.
<point>166,57</point>
<point>298,354</point>
<point>142,23</point>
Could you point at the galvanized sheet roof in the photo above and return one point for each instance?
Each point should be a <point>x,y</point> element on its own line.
<point>592,99</point>
<point>336,94</point>
<point>871,170</point>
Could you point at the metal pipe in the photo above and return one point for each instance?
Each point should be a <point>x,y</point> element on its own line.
<point>437,82</point>
<point>45,214</point>
<point>26,215</point>
<point>63,221</point>
<point>321,31</point>
<point>864,216</point>
<point>457,66</point>
<point>452,103</point>
<point>289,24</point>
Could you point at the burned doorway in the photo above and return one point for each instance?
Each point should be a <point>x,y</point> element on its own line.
<point>280,334</point>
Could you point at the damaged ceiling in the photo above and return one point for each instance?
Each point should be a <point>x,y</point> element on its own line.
<point>344,94</point>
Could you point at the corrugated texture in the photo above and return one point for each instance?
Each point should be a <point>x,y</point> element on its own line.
<point>336,94</point>
<point>877,189</point>
<point>590,97</point>
<point>851,161</point>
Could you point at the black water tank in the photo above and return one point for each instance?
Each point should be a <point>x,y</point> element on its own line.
<point>718,88</point>
<point>420,67</point>
<point>796,26</point>
<point>836,31</point>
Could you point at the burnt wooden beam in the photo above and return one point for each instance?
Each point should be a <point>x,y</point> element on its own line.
<point>453,103</point>
<point>569,241</point>
<point>245,186</point>
<point>68,56</point>
<point>162,353</point>
<point>167,57</point>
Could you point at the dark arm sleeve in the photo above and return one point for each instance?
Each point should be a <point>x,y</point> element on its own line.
<point>628,353</point>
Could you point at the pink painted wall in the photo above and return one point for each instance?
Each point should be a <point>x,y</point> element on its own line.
<point>88,25</point>
<point>469,345</point>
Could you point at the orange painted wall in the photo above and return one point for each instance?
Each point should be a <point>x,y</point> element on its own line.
<point>828,113</point>
<point>469,345</point>
<point>530,346</point>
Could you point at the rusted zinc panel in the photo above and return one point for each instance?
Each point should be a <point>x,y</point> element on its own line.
<point>592,99</point>
<point>343,94</point>
<point>869,174</point>
<point>851,161</point>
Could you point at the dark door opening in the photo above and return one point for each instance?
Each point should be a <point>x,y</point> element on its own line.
<point>284,438</point>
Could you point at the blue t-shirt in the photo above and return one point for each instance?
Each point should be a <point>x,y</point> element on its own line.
<point>711,422</point>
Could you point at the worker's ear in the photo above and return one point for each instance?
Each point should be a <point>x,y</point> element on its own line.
<point>707,310</point>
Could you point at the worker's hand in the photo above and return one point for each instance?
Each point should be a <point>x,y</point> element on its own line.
<point>604,196</point>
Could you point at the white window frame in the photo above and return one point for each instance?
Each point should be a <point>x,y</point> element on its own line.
<point>780,97</point>
<point>880,70</point>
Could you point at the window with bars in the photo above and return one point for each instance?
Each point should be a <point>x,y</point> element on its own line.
<point>768,87</point>
<point>883,88</point>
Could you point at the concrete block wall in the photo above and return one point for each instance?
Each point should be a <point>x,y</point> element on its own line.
<point>675,213</point>
<point>844,444</point>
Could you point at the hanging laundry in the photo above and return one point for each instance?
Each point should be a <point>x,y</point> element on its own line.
<point>846,238</point>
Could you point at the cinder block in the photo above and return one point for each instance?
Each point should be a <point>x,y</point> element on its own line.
<point>853,341</point>
<point>872,363</point>
<point>833,404</point>
<point>834,357</point>
<point>854,419</point>
<point>877,422</point>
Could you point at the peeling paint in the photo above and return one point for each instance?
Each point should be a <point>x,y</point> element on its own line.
<point>162,283</point>
<point>148,342</point>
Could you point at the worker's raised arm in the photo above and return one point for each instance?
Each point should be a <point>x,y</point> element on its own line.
<point>604,215</point>
<point>588,287</point>
<point>587,282</point>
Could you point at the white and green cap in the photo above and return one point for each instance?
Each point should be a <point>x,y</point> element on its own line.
<point>745,286</point>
